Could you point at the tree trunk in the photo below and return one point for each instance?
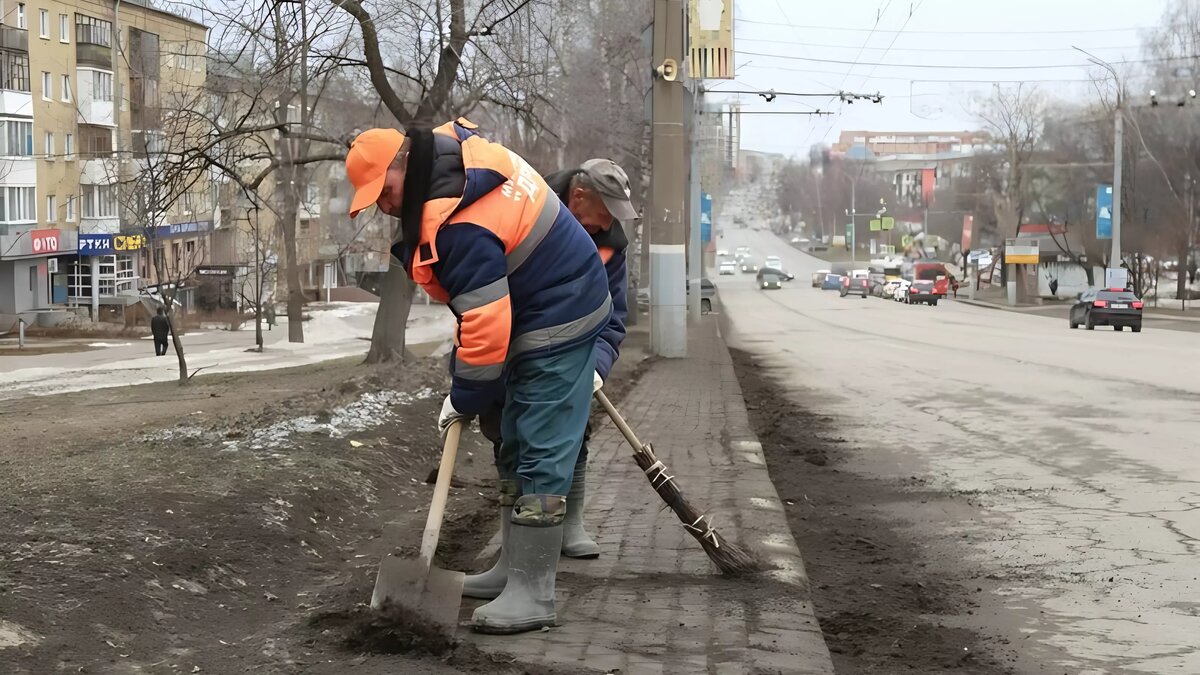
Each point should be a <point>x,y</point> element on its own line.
<point>391,320</point>
<point>295,298</point>
<point>178,344</point>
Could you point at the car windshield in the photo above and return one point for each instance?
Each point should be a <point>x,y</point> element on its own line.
<point>772,275</point>
<point>923,285</point>
<point>1117,296</point>
<point>747,260</point>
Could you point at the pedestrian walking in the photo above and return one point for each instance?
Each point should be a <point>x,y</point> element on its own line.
<point>481,231</point>
<point>597,194</point>
<point>160,328</point>
<point>269,311</point>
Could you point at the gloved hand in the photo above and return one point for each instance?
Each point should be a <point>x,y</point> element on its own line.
<point>448,416</point>
<point>597,381</point>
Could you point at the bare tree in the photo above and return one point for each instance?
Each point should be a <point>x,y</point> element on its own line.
<point>428,60</point>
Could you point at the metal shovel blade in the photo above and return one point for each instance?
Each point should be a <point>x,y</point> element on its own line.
<point>415,586</point>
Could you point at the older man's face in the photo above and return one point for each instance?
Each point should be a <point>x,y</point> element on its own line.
<point>589,210</point>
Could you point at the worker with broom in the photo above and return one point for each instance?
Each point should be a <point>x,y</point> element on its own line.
<point>481,231</point>
<point>597,194</point>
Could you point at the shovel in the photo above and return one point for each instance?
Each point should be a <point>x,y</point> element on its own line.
<point>416,585</point>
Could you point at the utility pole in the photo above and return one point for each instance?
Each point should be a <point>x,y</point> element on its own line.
<point>668,189</point>
<point>1118,161</point>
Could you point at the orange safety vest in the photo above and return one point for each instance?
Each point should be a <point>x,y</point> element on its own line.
<point>520,213</point>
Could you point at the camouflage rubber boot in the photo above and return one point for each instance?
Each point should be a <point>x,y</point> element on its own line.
<point>534,542</point>
<point>487,585</point>
<point>577,543</point>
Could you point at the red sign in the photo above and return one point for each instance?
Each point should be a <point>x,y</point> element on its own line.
<point>968,225</point>
<point>44,241</point>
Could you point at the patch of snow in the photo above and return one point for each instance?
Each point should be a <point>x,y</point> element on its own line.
<point>15,635</point>
<point>369,411</point>
<point>110,344</point>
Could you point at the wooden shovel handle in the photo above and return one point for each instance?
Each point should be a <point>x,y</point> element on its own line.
<point>618,420</point>
<point>441,493</point>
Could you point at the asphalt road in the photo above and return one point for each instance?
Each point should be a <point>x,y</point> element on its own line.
<point>1079,448</point>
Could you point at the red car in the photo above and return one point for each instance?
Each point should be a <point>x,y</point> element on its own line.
<point>935,272</point>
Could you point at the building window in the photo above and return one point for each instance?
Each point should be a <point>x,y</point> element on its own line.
<point>14,70</point>
<point>96,141</point>
<point>47,85</point>
<point>102,85</point>
<point>66,88</point>
<point>17,138</point>
<point>64,28</point>
<point>70,208</point>
<point>48,146</point>
<point>99,201</point>
<point>44,24</point>
<point>69,146</point>
<point>92,31</point>
<point>21,16</point>
<point>17,204</point>
<point>51,208</point>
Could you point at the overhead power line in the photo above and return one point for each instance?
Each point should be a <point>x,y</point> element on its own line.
<point>1013,50</point>
<point>953,66</point>
<point>900,78</point>
<point>951,32</point>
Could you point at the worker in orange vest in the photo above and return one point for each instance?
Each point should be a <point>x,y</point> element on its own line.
<point>481,231</point>
<point>597,194</point>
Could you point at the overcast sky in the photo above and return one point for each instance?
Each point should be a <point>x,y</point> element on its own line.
<point>818,45</point>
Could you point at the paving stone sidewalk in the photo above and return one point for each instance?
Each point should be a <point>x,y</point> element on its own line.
<point>653,603</point>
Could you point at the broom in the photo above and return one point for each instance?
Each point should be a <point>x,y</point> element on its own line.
<point>730,558</point>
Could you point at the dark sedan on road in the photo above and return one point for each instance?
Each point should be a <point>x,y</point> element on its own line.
<point>748,265</point>
<point>769,278</point>
<point>855,286</point>
<point>922,292</point>
<point>1114,307</point>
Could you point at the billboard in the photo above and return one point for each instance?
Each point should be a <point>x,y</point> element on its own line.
<point>1104,205</point>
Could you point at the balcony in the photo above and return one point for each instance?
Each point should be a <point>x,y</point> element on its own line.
<point>99,113</point>
<point>98,171</point>
<point>14,39</point>
<point>18,171</point>
<point>100,225</point>
<point>16,103</point>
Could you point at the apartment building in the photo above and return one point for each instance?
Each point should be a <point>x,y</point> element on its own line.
<point>82,88</point>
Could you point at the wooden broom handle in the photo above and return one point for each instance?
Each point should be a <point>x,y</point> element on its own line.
<point>441,493</point>
<point>618,420</point>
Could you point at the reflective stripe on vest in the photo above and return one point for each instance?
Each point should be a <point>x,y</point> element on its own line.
<point>542,338</point>
<point>606,253</point>
<point>541,227</point>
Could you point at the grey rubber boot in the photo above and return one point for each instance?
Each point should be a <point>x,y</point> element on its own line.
<point>577,543</point>
<point>487,585</point>
<point>527,602</point>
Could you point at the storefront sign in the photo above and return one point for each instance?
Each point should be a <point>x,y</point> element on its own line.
<point>95,244</point>
<point>180,229</point>
<point>216,271</point>
<point>44,241</point>
<point>108,244</point>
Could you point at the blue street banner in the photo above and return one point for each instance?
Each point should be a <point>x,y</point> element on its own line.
<point>179,229</point>
<point>705,216</point>
<point>1104,207</point>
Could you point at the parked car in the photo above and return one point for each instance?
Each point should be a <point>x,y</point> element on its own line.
<point>855,286</point>
<point>900,290</point>
<point>832,282</point>
<point>770,278</point>
<point>727,267</point>
<point>888,289</point>
<point>1114,307</point>
<point>748,265</point>
<point>818,278</point>
<point>922,292</point>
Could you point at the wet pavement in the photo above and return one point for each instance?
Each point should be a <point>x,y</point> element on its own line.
<point>1076,448</point>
